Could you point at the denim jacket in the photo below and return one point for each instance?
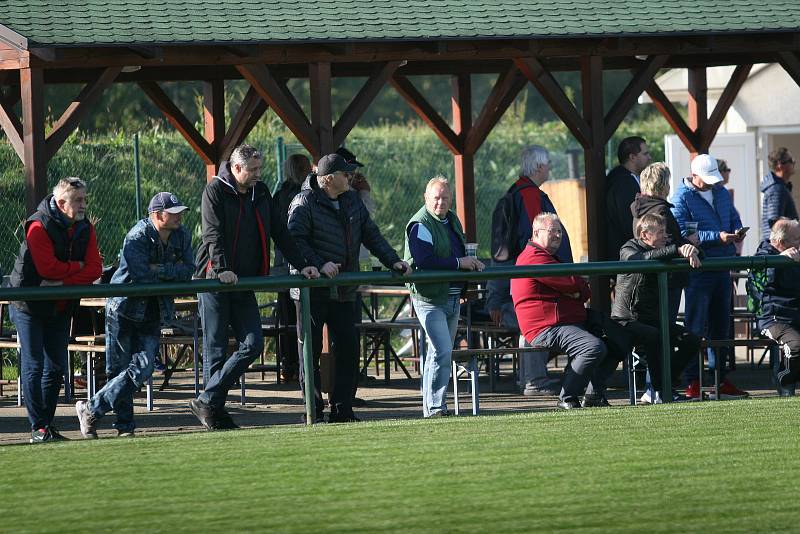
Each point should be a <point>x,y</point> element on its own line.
<point>143,247</point>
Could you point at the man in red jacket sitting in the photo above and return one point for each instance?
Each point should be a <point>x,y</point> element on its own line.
<point>552,314</point>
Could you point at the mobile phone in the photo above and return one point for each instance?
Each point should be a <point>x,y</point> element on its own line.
<point>743,230</point>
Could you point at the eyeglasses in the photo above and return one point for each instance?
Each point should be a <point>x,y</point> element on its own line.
<point>788,162</point>
<point>724,170</point>
<point>551,231</point>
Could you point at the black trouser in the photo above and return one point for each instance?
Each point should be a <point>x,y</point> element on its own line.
<point>617,340</point>
<point>340,318</point>
<point>788,337</point>
<point>684,344</point>
<point>286,317</point>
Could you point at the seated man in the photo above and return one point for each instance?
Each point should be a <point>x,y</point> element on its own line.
<point>779,313</point>
<point>636,302</point>
<point>551,314</point>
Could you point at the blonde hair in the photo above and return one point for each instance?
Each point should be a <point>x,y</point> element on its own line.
<point>654,180</point>
<point>437,180</point>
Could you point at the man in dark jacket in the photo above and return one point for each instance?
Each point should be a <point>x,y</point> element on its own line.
<point>779,316</point>
<point>777,189</point>
<point>156,249</point>
<point>238,220</point>
<point>60,248</point>
<point>622,185</point>
<point>636,305</point>
<point>329,223</point>
<point>552,315</point>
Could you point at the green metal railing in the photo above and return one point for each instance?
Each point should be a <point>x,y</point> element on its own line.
<point>270,283</point>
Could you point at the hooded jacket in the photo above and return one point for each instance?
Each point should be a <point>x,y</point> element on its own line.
<point>780,300</point>
<point>325,234</point>
<point>543,302</point>
<point>777,202</point>
<point>222,213</point>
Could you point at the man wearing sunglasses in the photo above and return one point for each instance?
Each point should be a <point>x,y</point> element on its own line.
<point>777,198</point>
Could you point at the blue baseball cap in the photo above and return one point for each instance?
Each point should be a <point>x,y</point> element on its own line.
<point>166,201</point>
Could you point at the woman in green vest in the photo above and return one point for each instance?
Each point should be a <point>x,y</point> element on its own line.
<point>435,240</point>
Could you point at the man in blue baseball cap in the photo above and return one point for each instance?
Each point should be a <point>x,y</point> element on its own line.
<point>158,248</point>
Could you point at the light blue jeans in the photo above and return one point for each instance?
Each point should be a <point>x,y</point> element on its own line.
<point>131,349</point>
<point>440,324</point>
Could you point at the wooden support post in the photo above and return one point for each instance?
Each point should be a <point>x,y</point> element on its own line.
<point>319,79</point>
<point>594,160</point>
<point>464,162</point>
<point>698,103</point>
<point>35,156</point>
<point>213,122</point>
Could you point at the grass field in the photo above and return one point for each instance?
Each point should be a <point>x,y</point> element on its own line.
<point>713,467</point>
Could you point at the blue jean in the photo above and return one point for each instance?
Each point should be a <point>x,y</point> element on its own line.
<point>43,360</point>
<point>440,324</point>
<point>131,349</point>
<point>708,309</point>
<point>239,310</point>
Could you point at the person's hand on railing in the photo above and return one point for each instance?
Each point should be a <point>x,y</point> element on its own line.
<point>402,267</point>
<point>470,263</point>
<point>690,253</point>
<point>331,270</point>
<point>228,277</point>
<point>310,272</point>
<point>792,253</point>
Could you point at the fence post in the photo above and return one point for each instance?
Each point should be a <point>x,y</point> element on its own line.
<point>138,177</point>
<point>280,157</point>
<point>666,348</point>
<point>308,355</point>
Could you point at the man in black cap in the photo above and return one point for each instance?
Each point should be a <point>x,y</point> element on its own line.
<point>329,223</point>
<point>157,249</point>
<point>238,220</point>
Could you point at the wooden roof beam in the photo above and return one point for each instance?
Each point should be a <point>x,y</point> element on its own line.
<point>12,127</point>
<point>791,64</point>
<point>427,113</point>
<point>667,109</point>
<point>359,105</point>
<point>281,101</point>
<point>504,91</point>
<point>179,121</point>
<point>147,52</point>
<point>641,80</point>
<point>554,95</point>
<point>250,111</point>
<point>738,78</point>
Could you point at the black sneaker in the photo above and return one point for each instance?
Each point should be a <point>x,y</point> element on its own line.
<point>126,433</point>
<point>223,420</point>
<point>40,436</point>
<point>343,417</point>
<point>55,435</point>
<point>320,418</point>
<point>204,414</point>
<point>570,403</point>
<point>594,401</point>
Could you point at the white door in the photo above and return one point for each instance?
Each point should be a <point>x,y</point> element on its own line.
<point>739,151</point>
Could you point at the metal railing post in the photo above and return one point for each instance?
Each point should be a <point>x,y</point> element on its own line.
<point>666,348</point>
<point>137,176</point>
<point>308,355</point>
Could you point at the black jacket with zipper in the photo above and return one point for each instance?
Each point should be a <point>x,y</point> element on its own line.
<point>325,234</point>
<point>223,215</point>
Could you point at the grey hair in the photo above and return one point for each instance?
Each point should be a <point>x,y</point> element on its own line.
<point>781,229</point>
<point>533,157</point>
<point>542,218</point>
<point>654,180</point>
<point>437,180</point>
<point>242,155</point>
<point>65,186</point>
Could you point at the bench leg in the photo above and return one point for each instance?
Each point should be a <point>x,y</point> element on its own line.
<point>241,381</point>
<point>455,388</point>
<point>149,389</point>
<point>473,376</point>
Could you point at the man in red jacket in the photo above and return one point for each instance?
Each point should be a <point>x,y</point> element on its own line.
<point>60,248</point>
<point>552,314</point>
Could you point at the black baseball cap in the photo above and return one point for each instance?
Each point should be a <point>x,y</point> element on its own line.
<point>334,163</point>
<point>348,156</point>
<point>165,201</point>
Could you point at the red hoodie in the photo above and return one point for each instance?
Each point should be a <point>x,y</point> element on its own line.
<point>544,302</point>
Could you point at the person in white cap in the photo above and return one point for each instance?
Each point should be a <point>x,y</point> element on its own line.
<point>158,248</point>
<point>702,199</point>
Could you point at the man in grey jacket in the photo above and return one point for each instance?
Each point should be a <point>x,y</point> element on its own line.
<point>329,223</point>
<point>158,248</point>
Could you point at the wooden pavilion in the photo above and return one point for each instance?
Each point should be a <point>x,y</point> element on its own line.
<point>100,42</point>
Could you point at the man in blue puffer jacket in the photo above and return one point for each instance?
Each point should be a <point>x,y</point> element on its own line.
<point>702,199</point>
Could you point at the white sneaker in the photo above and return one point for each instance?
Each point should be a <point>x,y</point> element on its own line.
<point>646,397</point>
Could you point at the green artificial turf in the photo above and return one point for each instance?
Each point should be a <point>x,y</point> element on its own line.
<point>713,467</point>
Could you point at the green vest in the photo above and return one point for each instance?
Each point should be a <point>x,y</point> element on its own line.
<point>436,292</point>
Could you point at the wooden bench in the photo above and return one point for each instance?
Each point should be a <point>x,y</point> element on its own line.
<point>379,333</point>
<point>759,343</point>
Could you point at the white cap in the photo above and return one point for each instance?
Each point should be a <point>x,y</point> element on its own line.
<point>706,168</point>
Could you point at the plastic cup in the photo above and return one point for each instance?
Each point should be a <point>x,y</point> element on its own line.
<point>691,228</point>
<point>472,249</point>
